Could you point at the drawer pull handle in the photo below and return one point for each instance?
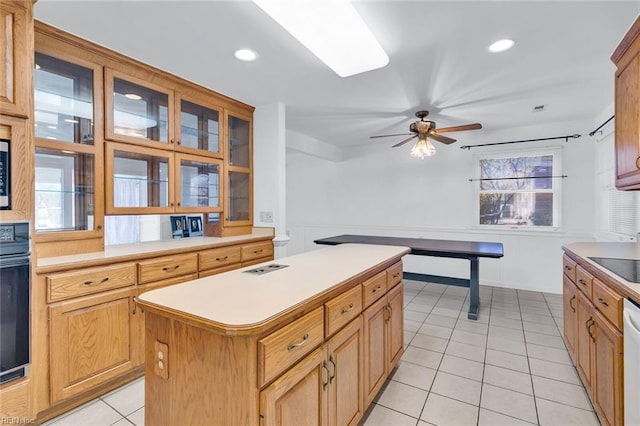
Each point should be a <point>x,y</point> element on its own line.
<point>96,282</point>
<point>345,310</point>
<point>396,275</point>
<point>220,259</point>
<point>602,301</point>
<point>377,288</point>
<point>581,281</point>
<point>258,251</point>
<point>170,269</point>
<point>571,304</point>
<point>304,340</point>
<point>567,267</point>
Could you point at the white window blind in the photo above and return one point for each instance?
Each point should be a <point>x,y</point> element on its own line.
<point>622,212</point>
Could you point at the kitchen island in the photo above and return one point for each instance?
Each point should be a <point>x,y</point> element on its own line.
<point>310,341</point>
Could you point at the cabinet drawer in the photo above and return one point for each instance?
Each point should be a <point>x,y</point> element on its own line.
<point>608,302</point>
<point>257,250</point>
<point>342,309</point>
<point>374,288</point>
<point>280,349</point>
<point>569,267</point>
<point>584,281</point>
<point>224,256</point>
<point>81,282</point>
<point>167,267</point>
<point>394,275</point>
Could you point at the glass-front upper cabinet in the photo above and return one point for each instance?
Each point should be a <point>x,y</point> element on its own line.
<point>198,188</point>
<point>68,157</point>
<point>138,180</point>
<point>198,124</point>
<point>138,111</point>
<point>238,195</point>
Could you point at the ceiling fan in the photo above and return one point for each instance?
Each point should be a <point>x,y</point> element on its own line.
<point>423,128</point>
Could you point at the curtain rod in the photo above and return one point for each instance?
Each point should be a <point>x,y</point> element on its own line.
<point>601,126</point>
<point>518,178</point>
<point>566,138</point>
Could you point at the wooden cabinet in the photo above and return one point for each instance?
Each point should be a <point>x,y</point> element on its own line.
<point>324,389</point>
<point>383,340</point>
<point>16,63</point>
<point>94,339</point>
<point>627,109</point>
<point>592,334</point>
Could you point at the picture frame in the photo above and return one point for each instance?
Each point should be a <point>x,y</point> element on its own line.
<point>179,227</point>
<point>195,226</point>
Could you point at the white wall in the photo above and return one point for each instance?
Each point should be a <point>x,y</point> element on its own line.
<point>377,190</point>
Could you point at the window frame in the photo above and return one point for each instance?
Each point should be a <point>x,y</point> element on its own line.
<point>556,190</point>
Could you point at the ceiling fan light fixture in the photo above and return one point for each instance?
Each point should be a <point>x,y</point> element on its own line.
<point>332,30</point>
<point>423,148</point>
<point>501,45</point>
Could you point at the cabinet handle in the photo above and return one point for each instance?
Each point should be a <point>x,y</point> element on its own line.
<point>567,267</point>
<point>638,162</point>
<point>345,310</point>
<point>99,227</point>
<point>389,310</point>
<point>325,384</point>
<point>570,304</point>
<point>96,282</point>
<point>333,376</point>
<point>135,305</point>
<point>170,268</point>
<point>589,330</point>
<point>178,203</point>
<point>258,251</point>
<point>178,141</point>
<point>581,281</point>
<point>376,289</point>
<point>396,275</point>
<point>220,259</point>
<point>304,340</point>
<point>602,301</point>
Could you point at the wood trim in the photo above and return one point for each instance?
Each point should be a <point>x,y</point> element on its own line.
<point>626,42</point>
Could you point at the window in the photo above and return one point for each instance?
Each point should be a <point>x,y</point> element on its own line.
<point>520,190</point>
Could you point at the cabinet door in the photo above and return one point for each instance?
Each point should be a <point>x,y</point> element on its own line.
<point>607,382</point>
<point>584,340</point>
<point>299,396</point>
<point>198,188</point>
<point>374,349</point>
<point>92,339</point>
<point>627,110</point>
<point>395,325</point>
<point>239,195</point>
<point>198,124</point>
<point>16,47</point>
<point>345,382</point>
<point>570,315</point>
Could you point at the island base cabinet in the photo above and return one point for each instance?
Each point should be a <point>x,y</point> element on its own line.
<point>383,340</point>
<point>95,340</point>
<point>325,388</point>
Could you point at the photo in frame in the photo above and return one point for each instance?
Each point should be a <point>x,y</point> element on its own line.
<point>179,227</point>
<point>195,226</point>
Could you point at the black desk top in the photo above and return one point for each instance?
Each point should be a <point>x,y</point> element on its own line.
<point>425,247</point>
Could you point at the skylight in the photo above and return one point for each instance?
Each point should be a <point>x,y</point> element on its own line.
<point>332,30</point>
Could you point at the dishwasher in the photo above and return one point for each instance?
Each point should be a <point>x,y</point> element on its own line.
<point>631,317</point>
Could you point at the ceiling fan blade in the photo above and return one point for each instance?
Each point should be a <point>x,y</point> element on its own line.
<point>461,128</point>
<point>386,136</point>
<point>440,138</point>
<point>405,141</point>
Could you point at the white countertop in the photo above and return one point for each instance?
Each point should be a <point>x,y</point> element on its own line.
<point>125,251</point>
<point>240,299</point>
<point>613,250</point>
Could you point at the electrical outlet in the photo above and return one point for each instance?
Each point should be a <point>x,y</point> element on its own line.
<point>161,364</point>
<point>266,217</point>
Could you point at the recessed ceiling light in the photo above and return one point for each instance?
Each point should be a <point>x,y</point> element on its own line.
<point>245,55</point>
<point>501,45</point>
<point>132,96</point>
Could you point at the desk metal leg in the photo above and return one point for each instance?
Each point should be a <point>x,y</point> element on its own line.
<point>474,288</point>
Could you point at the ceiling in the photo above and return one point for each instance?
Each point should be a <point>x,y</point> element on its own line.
<point>437,49</point>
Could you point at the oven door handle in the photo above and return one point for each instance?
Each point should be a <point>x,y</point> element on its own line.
<point>14,260</point>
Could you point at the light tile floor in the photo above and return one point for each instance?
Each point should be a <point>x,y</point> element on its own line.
<point>509,367</point>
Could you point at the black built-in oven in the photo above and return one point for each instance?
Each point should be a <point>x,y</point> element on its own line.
<point>15,286</point>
